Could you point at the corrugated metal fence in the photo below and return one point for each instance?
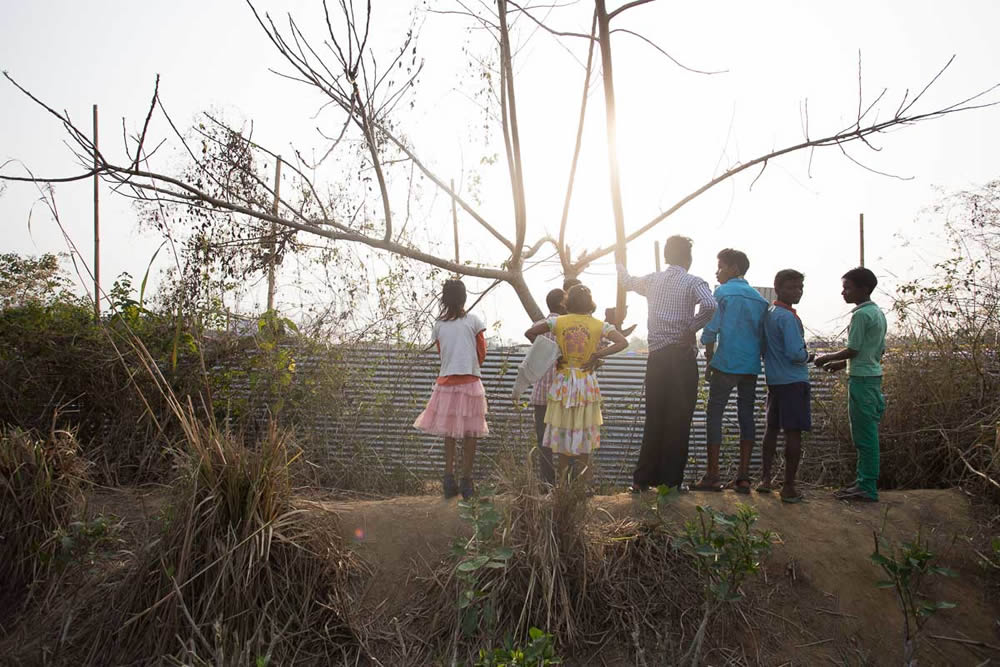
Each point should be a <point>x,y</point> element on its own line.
<point>387,388</point>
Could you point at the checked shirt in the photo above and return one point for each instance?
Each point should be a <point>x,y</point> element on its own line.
<point>673,294</point>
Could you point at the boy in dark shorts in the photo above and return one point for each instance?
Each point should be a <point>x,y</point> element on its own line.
<point>863,359</point>
<point>786,368</point>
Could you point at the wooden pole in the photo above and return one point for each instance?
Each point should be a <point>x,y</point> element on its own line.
<point>273,242</point>
<point>604,37</point>
<point>97,228</point>
<point>656,246</point>
<point>454,220</point>
<point>861,232</point>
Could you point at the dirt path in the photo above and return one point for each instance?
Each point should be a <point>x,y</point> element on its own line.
<point>818,589</point>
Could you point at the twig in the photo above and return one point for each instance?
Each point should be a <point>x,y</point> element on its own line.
<point>816,643</point>
<point>834,613</point>
<point>970,642</point>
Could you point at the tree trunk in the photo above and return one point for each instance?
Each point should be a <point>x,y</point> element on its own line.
<point>604,36</point>
<point>525,296</point>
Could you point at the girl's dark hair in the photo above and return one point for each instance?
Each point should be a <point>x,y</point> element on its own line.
<point>452,300</point>
<point>579,301</point>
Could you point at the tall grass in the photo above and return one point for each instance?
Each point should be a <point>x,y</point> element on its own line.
<point>575,572</point>
<point>237,574</point>
<point>41,490</point>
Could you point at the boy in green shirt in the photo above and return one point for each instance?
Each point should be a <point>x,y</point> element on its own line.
<point>863,359</point>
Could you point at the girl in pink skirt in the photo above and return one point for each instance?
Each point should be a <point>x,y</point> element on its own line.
<point>457,409</point>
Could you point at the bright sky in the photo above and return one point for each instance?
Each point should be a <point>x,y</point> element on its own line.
<point>676,129</point>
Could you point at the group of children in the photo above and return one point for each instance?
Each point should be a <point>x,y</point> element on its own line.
<point>746,329</point>
<point>743,330</point>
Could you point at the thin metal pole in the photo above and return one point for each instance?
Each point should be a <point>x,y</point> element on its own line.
<point>861,232</point>
<point>454,221</point>
<point>656,251</point>
<point>273,242</point>
<point>97,228</point>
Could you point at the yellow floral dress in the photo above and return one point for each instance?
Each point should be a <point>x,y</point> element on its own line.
<point>573,414</point>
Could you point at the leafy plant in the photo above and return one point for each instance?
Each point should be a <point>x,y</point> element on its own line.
<point>726,550</point>
<point>906,566</point>
<point>78,540</point>
<point>539,652</point>
<point>483,551</point>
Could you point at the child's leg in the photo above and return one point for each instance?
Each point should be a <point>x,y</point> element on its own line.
<point>545,469</point>
<point>720,386</point>
<point>584,468</point>
<point>468,457</point>
<point>770,447</point>
<point>865,407</point>
<point>449,456</point>
<point>746,396</point>
<point>793,454</point>
<point>562,469</point>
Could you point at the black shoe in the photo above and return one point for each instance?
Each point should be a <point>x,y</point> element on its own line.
<point>450,487</point>
<point>468,488</point>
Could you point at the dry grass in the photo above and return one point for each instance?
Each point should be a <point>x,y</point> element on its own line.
<point>41,480</point>
<point>237,574</point>
<point>591,583</point>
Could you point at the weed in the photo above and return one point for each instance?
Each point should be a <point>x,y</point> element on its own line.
<point>481,552</point>
<point>727,550</point>
<point>539,652</point>
<point>906,566</point>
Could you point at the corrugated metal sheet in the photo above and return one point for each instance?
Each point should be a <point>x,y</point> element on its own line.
<point>387,389</point>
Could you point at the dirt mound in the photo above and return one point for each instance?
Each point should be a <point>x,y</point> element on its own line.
<point>817,592</point>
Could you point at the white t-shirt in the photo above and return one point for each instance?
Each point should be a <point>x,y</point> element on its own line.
<point>457,339</point>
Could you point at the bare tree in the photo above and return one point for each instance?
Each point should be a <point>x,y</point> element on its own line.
<point>342,66</point>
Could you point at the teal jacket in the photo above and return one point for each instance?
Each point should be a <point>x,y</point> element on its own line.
<point>737,328</point>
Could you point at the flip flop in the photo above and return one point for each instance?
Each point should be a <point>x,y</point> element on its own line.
<point>707,486</point>
<point>764,488</point>
<point>792,500</point>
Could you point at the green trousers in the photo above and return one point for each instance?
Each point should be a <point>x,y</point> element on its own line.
<point>865,405</point>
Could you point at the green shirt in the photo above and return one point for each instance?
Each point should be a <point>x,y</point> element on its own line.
<point>866,336</point>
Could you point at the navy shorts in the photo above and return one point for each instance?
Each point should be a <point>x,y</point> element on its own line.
<point>789,406</point>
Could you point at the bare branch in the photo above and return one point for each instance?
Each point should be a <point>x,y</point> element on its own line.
<point>627,6</point>
<point>670,57</point>
<point>560,246</point>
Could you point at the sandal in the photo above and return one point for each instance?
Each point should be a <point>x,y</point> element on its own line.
<point>798,498</point>
<point>705,484</point>
<point>765,486</point>
<point>738,485</point>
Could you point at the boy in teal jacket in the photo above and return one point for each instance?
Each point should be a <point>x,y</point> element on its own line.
<point>863,360</point>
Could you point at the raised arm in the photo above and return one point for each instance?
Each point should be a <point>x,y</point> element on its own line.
<point>637,284</point>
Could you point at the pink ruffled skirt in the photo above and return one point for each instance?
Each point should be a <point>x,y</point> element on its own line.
<point>455,411</point>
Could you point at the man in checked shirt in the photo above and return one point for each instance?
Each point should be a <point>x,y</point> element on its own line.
<point>679,305</point>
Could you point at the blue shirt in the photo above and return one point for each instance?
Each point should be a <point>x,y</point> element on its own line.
<point>786,359</point>
<point>738,326</point>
